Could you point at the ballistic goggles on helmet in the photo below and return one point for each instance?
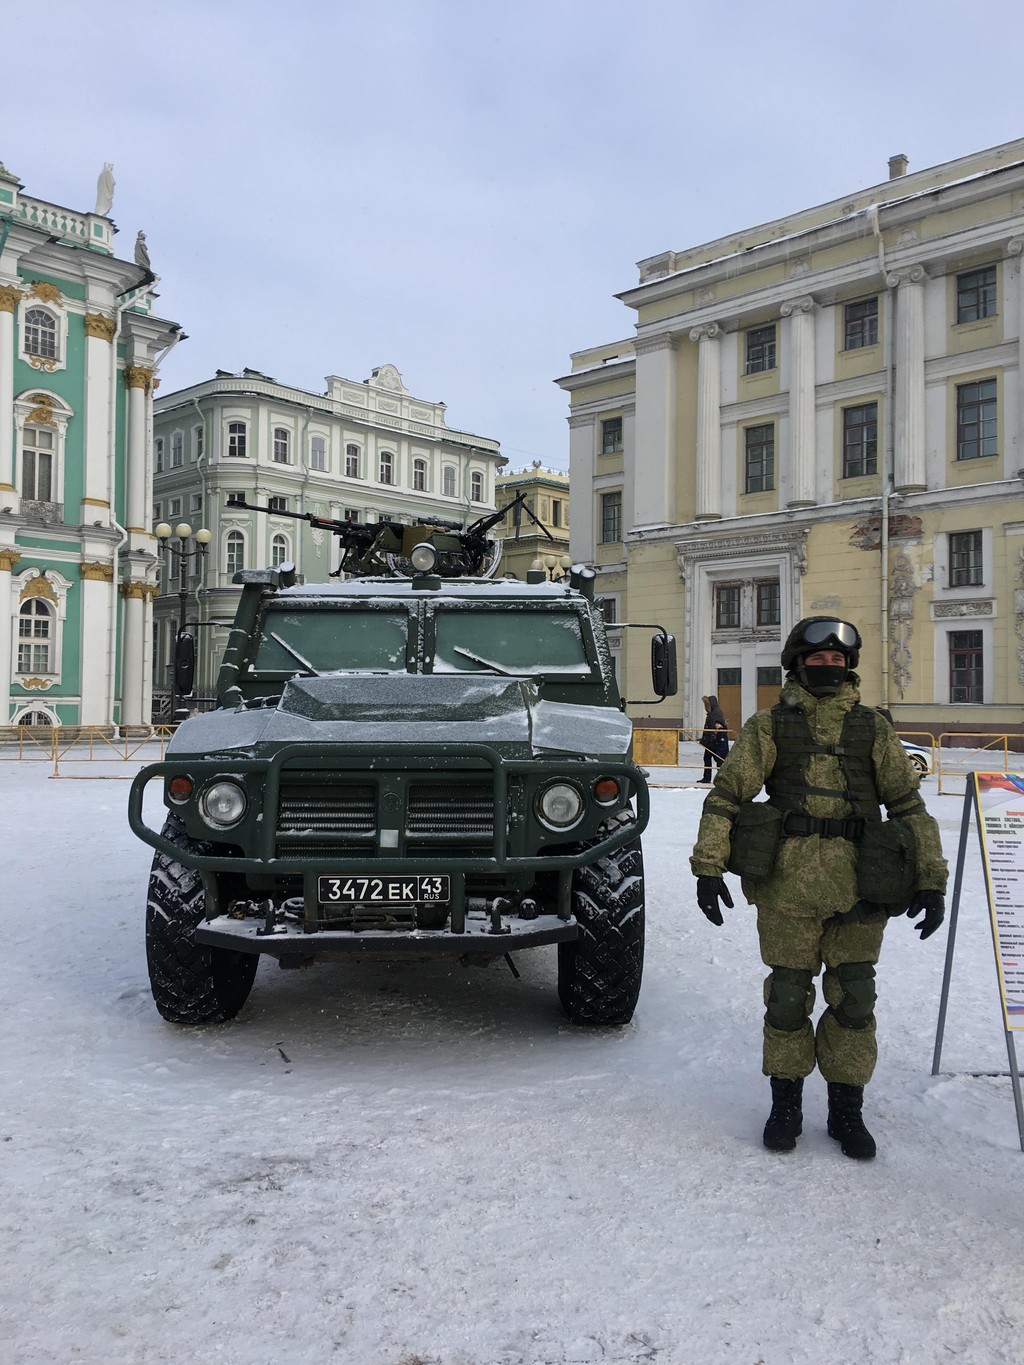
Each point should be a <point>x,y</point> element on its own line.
<point>838,634</point>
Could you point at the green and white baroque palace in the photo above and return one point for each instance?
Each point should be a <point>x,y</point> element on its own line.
<point>79,348</point>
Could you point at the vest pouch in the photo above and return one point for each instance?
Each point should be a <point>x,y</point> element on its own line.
<point>754,842</point>
<point>887,864</point>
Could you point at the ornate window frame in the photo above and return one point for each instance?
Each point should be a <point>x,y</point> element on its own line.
<point>47,304</point>
<point>420,474</point>
<point>42,407</point>
<point>52,588</point>
<point>476,485</point>
<point>449,482</point>
<point>286,555</point>
<point>229,533</point>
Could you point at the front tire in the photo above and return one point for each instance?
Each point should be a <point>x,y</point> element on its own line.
<point>191,983</point>
<point>600,972</point>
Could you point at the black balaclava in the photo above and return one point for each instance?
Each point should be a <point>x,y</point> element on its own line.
<point>821,680</point>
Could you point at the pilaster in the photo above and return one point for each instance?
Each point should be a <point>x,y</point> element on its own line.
<point>582,467</point>
<point>909,454</point>
<point>709,420</point>
<point>8,559</point>
<point>801,400</point>
<point>136,683</point>
<point>654,488</point>
<point>138,381</point>
<point>97,495</point>
<point>9,298</point>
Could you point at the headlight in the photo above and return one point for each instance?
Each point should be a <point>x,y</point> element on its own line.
<point>561,806</point>
<point>222,804</point>
<point>423,557</point>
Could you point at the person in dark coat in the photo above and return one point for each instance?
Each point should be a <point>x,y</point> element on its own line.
<point>715,738</point>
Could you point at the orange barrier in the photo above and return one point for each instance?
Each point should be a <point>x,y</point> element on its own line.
<point>91,745</point>
<point>32,743</point>
<point>660,748</point>
<point>949,768</point>
<point>923,739</point>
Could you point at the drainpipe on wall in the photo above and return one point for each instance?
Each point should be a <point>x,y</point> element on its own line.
<point>112,485</point>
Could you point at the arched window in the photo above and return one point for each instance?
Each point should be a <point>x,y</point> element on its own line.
<point>282,445</point>
<point>351,462</point>
<point>317,452</point>
<point>177,449</point>
<point>35,637</point>
<point>158,451</point>
<point>41,334</point>
<point>37,452</point>
<point>278,550</point>
<point>419,475</point>
<point>448,482</point>
<point>387,467</point>
<point>236,552</point>
<point>476,486</point>
<point>236,439</point>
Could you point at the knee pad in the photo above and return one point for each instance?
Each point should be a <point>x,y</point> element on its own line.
<point>788,998</point>
<point>856,1008</point>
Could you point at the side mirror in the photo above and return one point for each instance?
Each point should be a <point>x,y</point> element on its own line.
<point>663,665</point>
<point>184,663</point>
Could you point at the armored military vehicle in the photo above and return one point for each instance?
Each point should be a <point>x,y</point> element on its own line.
<point>418,764</point>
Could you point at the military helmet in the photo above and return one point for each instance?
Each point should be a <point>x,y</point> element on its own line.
<point>821,632</point>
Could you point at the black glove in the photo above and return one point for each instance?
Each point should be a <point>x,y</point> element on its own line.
<point>933,905</point>
<point>709,891</point>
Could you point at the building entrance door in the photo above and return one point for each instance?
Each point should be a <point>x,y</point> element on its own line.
<point>729,692</point>
<point>769,687</point>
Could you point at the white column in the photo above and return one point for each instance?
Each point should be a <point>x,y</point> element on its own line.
<point>95,625</point>
<point>133,654</point>
<point>801,400</point>
<point>8,303</point>
<point>709,420</point>
<point>8,559</point>
<point>1015,250</point>
<point>654,489</point>
<point>909,455</point>
<point>137,380</point>
<point>582,541</point>
<point>97,495</point>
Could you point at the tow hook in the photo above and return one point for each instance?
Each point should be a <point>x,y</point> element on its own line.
<point>501,905</point>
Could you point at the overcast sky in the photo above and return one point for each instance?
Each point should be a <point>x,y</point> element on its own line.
<point>460,188</point>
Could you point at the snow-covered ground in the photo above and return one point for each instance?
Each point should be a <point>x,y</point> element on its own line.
<point>428,1166</point>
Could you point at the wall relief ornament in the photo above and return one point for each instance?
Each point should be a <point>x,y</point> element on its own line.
<point>902,587</point>
<point>35,684</point>
<point>43,362</point>
<point>137,588</point>
<point>38,587</point>
<point>100,327</point>
<point>42,413</point>
<point>96,571</point>
<point>941,610</point>
<point>46,293</point>
<point>9,298</point>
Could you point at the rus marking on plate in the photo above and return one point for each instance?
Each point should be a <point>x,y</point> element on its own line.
<point>387,890</point>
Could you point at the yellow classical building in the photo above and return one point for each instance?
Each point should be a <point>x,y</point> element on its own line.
<point>542,531</point>
<point>823,414</point>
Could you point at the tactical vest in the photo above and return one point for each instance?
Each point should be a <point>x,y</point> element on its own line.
<point>787,785</point>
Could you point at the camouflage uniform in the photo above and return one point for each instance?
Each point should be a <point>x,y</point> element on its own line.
<point>806,911</point>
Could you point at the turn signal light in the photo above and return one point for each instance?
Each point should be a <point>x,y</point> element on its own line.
<point>180,788</point>
<point>606,790</point>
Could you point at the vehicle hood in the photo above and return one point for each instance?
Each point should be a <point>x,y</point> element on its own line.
<point>507,713</point>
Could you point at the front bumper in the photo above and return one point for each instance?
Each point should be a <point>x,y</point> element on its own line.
<point>294,946</point>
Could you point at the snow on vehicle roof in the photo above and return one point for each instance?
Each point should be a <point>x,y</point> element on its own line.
<point>498,588</point>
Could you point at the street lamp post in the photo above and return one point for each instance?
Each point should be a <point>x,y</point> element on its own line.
<point>184,556</point>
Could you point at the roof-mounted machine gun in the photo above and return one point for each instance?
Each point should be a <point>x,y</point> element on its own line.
<point>384,547</point>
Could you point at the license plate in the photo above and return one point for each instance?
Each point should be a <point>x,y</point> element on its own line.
<point>386,890</point>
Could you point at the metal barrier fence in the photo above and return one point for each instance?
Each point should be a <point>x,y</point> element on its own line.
<point>32,743</point>
<point>949,768</point>
<point>91,745</point>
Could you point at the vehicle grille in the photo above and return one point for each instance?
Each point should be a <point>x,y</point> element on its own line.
<point>324,818</point>
<point>467,811</point>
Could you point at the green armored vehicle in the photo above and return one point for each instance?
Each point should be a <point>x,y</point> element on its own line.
<point>403,767</point>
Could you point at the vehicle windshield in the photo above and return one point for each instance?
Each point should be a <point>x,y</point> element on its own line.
<point>358,640</point>
<point>518,643</point>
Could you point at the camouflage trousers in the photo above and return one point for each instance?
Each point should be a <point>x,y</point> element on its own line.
<point>846,945</point>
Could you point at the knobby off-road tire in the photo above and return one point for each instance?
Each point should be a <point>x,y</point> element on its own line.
<point>599,973</point>
<point>191,984</point>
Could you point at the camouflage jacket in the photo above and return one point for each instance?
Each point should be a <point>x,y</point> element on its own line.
<point>812,875</point>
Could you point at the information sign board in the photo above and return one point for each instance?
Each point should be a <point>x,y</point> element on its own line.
<point>1000,799</point>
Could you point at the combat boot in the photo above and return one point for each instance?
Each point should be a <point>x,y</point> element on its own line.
<point>845,1123</point>
<point>785,1122</point>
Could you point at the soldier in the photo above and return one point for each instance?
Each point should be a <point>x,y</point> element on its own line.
<point>823,869</point>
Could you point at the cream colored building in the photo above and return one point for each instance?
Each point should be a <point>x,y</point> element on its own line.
<point>730,462</point>
<point>547,497</point>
